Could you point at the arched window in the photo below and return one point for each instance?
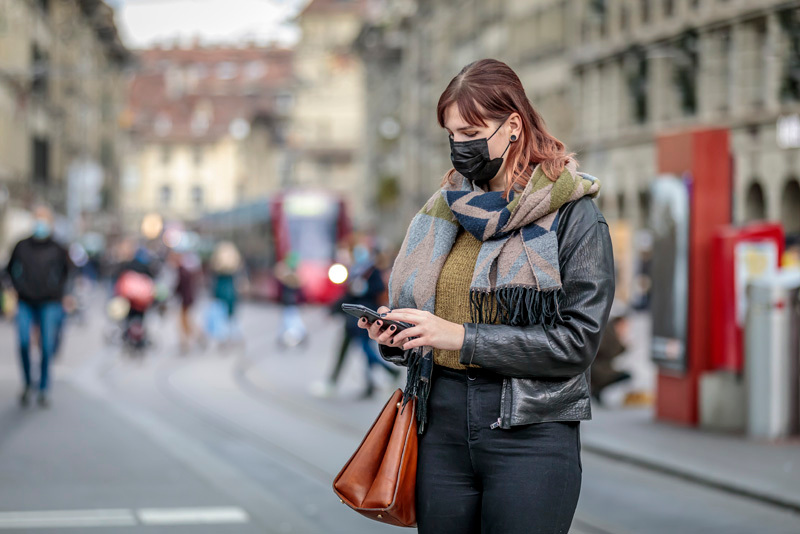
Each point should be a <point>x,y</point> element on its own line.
<point>644,207</point>
<point>790,207</point>
<point>621,208</point>
<point>755,207</point>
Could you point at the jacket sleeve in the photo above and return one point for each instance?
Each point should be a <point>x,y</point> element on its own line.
<point>9,270</point>
<point>566,349</point>
<point>395,355</point>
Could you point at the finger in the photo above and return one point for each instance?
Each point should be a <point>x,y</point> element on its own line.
<point>375,329</point>
<point>383,309</point>
<point>403,335</point>
<point>386,335</point>
<point>408,315</point>
<point>413,343</point>
<point>363,323</point>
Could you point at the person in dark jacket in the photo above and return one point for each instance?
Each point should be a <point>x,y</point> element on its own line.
<point>603,372</point>
<point>365,286</point>
<point>507,277</point>
<point>38,269</point>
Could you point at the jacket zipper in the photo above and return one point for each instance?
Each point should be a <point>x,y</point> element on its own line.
<point>499,421</point>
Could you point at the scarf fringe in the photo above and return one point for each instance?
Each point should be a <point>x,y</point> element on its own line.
<point>516,306</point>
<point>418,383</point>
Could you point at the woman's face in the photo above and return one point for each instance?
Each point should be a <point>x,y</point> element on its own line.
<point>460,130</point>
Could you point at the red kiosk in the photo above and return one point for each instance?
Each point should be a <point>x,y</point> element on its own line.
<point>702,158</point>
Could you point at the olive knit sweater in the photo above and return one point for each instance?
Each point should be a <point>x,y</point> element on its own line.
<point>452,291</point>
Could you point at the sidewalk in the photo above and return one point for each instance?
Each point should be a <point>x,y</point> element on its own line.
<point>762,471</point>
<point>769,472</point>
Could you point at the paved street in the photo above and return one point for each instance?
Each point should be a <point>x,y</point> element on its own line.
<point>230,441</point>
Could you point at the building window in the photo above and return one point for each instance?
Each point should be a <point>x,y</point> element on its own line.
<point>790,207</point>
<point>166,154</point>
<point>790,80</point>
<point>41,160</point>
<point>644,208</point>
<point>635,67</point>
<point>755,208</point>
<point>165,195</point>
<point>39,80</point>
<point>621,208</point>
<point>599,11</point>
<point>624,17</point>
<point>162,126</point>
<point>759,77</point>
<point>255,70</point>
<point>644,10</point>
<point>686,64</point>
<point>227,70</point>
<point>198,153</point>
<point>669,8</point>
<point>197,196</point>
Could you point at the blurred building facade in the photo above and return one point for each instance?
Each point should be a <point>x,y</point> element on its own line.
<point>327,123</point>
<point>608,76</point>
<point>208,128</point>
<point>61,91</point>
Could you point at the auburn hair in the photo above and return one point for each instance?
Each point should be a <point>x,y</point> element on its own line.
<point>490,90</point>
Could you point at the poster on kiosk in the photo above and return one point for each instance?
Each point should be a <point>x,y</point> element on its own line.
<point>669,222</point>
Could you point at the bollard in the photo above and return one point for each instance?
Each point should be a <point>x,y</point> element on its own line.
<point>772,356</point>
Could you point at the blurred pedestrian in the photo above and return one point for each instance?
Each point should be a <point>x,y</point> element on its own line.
<point>135,282</point>
<point>365,286</point>
<point>187,267</point>
<point>226,262</point>
<point>507,277</point>
<point>603,372</point>
<point>38,268</point>
<point>293,330</point>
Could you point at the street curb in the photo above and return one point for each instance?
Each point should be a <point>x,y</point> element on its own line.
<point>691,475</point>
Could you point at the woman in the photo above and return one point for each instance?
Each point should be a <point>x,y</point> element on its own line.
<point>507,275</point>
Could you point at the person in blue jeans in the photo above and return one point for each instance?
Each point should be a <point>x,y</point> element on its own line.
<point>38,269</point>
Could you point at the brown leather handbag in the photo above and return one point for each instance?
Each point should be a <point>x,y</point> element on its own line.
<point>379,479</point>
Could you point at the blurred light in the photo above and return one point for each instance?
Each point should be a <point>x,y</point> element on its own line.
<point>118,308</point>
<point>337,273</point>
<point>389,128</point>
<point>305,204</point>
<point>152,224</point>
<point>239,129</point>
<point>788,131</point>
<point>172,237</point>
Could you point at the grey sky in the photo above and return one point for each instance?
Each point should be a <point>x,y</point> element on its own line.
<point>144,22</point>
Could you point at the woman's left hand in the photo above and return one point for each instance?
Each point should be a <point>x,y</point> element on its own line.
<point>428,330</point>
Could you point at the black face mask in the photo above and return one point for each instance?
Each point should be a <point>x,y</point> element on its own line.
<point>471,159</point>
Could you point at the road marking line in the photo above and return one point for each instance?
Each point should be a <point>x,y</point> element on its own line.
<point>192,516</point>
<point>66,519</point>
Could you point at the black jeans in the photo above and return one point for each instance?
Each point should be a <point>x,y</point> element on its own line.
<point>475,479</point>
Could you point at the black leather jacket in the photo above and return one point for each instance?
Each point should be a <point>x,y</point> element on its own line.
<point>547,368</point>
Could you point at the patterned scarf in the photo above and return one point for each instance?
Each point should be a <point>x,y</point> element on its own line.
<point>517,278</point>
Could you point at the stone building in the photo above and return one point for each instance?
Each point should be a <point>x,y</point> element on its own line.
<point>61,91</point>
<point>648,67</point>
<point>433,41</point>
<point>609,76</point>
<point>327,123</point>
<point>208,126</point>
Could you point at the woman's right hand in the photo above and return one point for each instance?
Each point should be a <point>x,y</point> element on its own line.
<point>376,330</point>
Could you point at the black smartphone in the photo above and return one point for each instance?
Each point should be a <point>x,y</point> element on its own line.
<point>357,310</point>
